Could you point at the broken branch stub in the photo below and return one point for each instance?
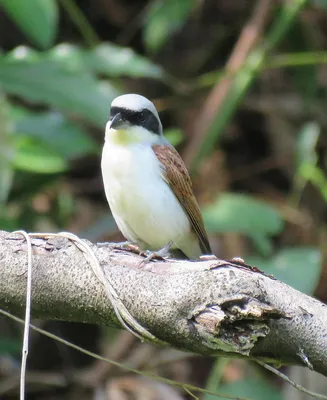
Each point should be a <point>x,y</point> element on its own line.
<point>234,325</point>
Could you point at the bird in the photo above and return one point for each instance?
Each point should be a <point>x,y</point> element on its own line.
<point>147,185</point>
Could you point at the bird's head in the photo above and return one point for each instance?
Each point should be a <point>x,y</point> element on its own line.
<point>133,119</point>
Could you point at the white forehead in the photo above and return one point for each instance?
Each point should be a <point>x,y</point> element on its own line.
<point>134,102</point>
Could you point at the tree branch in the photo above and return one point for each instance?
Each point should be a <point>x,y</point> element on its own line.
<point>212,307</point>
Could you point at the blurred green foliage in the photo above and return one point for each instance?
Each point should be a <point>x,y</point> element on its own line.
<point>163,18</point>
<point>299,267</point>
<point>54,101</point>
<point>246,215</point>
<point>38,19</point>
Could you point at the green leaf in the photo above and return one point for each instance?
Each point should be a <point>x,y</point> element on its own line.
<point>107,59</point>
<point>316,176</point>
<point>298,267</point>
<point>251,388</point>
<point>67,87</point>
<point>165,17</point>
<point>35,156</point>
<point>307,159</point>
<point>246,215</point>
<point>67,138</point>
<point>306,143</point>
<point>242,214</point>
<point>118,61</point>
<point>36,18</point>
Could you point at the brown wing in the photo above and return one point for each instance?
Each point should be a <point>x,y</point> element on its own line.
<point>179,180</point>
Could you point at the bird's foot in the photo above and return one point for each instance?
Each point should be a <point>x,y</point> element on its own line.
<point>150,255</point>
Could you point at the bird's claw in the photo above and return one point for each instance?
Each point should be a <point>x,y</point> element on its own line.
<point>151,255</point>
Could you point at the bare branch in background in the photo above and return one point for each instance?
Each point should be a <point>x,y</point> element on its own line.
<point>249,37</point>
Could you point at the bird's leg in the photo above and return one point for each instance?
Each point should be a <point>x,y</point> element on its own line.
<point>150,255</point>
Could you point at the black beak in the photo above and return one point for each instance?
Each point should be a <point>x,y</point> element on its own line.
<point>117,121</point>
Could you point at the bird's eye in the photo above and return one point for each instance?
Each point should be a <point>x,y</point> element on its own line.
<point>141,117</point>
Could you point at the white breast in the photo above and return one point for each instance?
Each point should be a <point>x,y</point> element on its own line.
<point>144,207</point>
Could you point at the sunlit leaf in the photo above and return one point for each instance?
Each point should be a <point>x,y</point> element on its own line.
<point>242,214</point>
<point>165,17</point>
<point>298,267</point>
<point>306,143</point>
<point>113,60</point>
<point>67,138</point>
<point>246,215</point>
<point>108,59</point>
<point>36,18</point>
<point>35,156</point>
<point>58,84</point>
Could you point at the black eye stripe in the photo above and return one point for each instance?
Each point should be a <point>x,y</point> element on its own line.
<point>144,118</point>
<point>141,116</point>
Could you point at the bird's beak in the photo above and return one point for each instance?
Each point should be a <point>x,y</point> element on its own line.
<point>117,121</point>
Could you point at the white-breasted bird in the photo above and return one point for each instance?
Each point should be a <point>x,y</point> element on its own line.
<point>147,184</point>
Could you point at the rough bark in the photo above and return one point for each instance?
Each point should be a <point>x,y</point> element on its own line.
<point>209,307</point>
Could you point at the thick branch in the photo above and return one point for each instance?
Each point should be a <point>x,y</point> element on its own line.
<point>208,307</point>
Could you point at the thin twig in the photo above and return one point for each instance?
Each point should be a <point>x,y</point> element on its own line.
<point>27,313</point>
<point>190,393</point>
<point>122,366</point>
<point>156,377</point>
<point>288,380</point>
